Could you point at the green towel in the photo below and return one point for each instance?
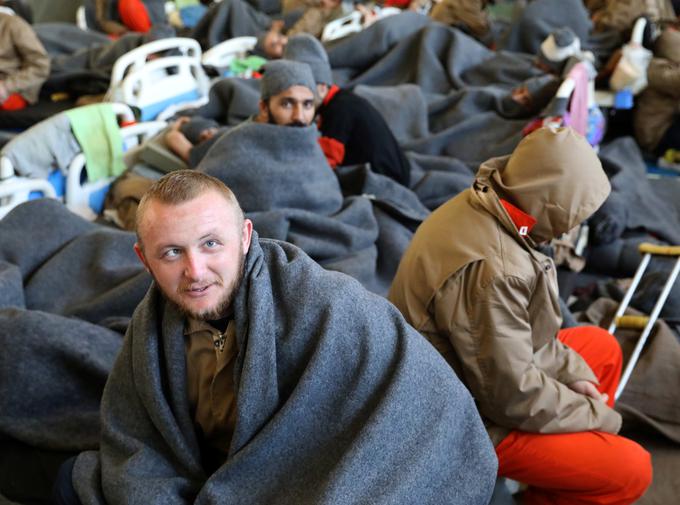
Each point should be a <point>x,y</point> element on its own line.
<point>96,129</point>
<point>239,66</point>
<point>181,4</point>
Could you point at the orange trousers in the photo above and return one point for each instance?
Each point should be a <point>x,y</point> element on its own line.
<point>583,468</point>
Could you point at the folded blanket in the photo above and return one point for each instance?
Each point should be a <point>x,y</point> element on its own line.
<point>228,19</point>
<point>339,401</point>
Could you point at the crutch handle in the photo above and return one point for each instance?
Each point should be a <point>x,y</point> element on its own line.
<point>632,322</point>
<point>659,250</point>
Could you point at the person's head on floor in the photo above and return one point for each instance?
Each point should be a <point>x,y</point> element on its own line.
<point>287,94</point>
<point>199,129</point>
<point>309,50</point>
<point>556,49</point>
<point>270,44</point>
<point>532,95</point>
<point>192,237</point>
<point>555,176</point>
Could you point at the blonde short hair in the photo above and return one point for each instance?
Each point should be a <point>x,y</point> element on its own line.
<point>181,186</point>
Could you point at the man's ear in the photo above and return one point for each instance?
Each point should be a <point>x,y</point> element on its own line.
<point>263,114</point>
<point>246,235</point>
<point>140,255</point>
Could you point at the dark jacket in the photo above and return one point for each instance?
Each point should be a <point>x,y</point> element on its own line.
<point>356,133</point>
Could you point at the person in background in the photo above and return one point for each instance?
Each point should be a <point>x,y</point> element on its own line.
<point>24,63</point>
<point>475,284</point>
<point>352,130</point>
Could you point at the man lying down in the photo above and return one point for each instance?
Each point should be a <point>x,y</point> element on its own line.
<point>251,375</point>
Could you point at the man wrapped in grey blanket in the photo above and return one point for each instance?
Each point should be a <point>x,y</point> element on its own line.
<point>337,399</point>
<point>289,191</point>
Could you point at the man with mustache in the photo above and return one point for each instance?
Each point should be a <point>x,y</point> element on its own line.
<point>249,374</point>
<point>352,130</point>
<point>287,94</point>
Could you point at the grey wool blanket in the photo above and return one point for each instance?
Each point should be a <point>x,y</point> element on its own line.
<point>625,167</point>
<point>540,18</point>
<point>439,58</point>
<point>339,401</point>
<point>231,101</point>
<point>68,288</point>
<point>66,38</point>
<point>88,69</point>
<point>355,53</point>
<point>228,19</point>
<point>447,95</point>
<point>453,112</point>
<point>285,185</point>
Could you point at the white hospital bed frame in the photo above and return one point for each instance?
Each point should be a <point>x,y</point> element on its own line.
<point>221,55</point>
<point>79,192</point>
<point>153,85</point>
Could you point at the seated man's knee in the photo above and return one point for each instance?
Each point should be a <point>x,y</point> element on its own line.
<point>633,470</point>
<point>608,342</point>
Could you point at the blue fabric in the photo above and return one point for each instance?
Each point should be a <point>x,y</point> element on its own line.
<point>192,14</point>
<point>63,492</point>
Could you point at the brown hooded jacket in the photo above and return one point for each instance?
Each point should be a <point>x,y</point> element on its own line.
<point>488,301</point>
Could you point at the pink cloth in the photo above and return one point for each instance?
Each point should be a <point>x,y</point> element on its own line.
<point>578,106</point>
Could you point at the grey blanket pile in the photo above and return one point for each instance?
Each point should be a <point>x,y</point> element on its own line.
<point>446,98</point>
<point>87,70</point>
<point>539,18</point>
<point>228,19</point>
<point>230,101</point>
<point>445,95</point>
<point>284,184</point>
<point>319,393</point>
<point>66,38</point>
<point>352,55</point>
<point>65,300</point>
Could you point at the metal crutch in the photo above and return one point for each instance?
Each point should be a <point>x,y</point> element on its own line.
<point>645,323</point>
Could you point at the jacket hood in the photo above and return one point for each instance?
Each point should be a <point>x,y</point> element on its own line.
<point>555,176</point>
<point>668,45</point>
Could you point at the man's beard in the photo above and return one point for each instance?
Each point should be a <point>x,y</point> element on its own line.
<point>221,308</point>
<point>296,124</point>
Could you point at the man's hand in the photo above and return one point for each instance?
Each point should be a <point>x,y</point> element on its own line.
<point>179,122</point>
<point>588,389</point>
<point>368,15</point>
